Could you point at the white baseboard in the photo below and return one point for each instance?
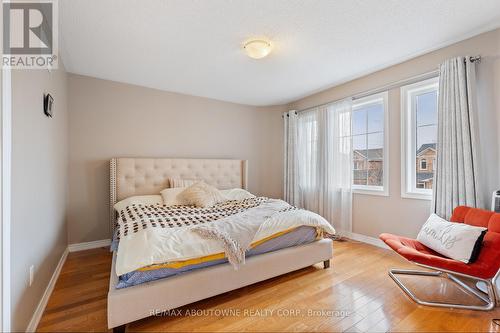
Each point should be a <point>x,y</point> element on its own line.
<point>37,315</point>
<point>366,239</point>
<point>89,245</point>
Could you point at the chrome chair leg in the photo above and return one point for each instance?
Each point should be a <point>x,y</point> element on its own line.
<point>494,281</point>
<point>489,301</point>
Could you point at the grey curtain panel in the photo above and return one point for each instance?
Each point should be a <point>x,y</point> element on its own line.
<point>455,180</point>
<point>290,182</point>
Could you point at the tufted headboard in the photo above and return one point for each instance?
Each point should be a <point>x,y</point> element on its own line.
<point>142,176</point>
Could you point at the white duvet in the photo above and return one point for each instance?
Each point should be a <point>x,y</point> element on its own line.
<point>161,245</point>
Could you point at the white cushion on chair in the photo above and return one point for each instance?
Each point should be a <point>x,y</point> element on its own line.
<point>457,241</point>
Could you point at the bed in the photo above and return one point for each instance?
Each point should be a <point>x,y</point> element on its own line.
<point>146,176</point>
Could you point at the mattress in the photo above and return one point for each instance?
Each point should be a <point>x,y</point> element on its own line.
<point>298,236</point>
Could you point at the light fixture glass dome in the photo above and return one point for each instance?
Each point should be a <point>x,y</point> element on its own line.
<point>257,48</point>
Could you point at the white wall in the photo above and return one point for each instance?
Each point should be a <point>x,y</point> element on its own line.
<point>110,119</point>
<point>373,215</point>
<point>39,187</point>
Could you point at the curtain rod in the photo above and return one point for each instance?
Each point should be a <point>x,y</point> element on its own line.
<point>397,84</point>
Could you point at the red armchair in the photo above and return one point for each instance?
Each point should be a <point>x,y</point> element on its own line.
<point>485,268</point>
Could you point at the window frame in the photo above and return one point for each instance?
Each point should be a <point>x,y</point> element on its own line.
<point>409,92</point>
<point>372,189</point>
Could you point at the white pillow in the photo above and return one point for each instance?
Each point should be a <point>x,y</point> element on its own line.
<point>138,199</point>
<point>457,241</point>
<point>201,195</point>
<point>179,182</point>
<point>236,194</point>
<point>169,196</point>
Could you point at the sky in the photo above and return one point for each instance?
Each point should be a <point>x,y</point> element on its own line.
<point>371,120</point>
<point>426,118</point>
<point>368,120</point>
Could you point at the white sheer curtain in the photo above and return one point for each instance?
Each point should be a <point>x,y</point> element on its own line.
<point>290,182</point>
<point>324,163</point>
<point>456,179</point>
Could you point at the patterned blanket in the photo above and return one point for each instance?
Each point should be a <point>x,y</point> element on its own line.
<point>139,217</point>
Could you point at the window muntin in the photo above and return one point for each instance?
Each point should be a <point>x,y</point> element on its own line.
<point>369,144</point>
<point>419,134</point>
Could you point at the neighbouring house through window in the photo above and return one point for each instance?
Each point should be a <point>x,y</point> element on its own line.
<point>419,134</point>
<point>370,167</point>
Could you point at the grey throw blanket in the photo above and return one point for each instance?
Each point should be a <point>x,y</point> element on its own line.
<point>236,232</point>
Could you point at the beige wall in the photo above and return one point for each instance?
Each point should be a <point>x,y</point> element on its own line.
<point>39,187</point>
<point>111,119</point>
<point>374,214</point>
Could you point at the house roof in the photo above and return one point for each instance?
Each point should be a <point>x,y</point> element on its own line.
<point>376,154</point>
<point>426,146</point>
<point>364,174</point>
<point>359,174</point>
<point>424,176</point>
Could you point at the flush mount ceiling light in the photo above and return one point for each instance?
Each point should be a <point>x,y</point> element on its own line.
<point>257,48</point>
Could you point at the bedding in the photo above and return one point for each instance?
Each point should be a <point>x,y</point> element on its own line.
<point>236,241</point>
<point>157,234</point>
<point>201,195</point>
<point>138,199</point>
<point>296,237</point>
<point>169,196</point>
<point>236,194</point>
<point>179,182</point>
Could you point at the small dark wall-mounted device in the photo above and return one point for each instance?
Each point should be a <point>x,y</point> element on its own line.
<point>495,201</point>
<point>48,101</point>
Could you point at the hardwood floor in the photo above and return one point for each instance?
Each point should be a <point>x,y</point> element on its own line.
<point>355,295</point>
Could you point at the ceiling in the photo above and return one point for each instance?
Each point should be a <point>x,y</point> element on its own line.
<point>195,46</point>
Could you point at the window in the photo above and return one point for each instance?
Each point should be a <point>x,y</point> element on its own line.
<point>370,145</point>
<point>423,164</point>
<point>419,133</point>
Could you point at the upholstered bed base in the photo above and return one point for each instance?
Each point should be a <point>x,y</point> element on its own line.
<point>133,303</point>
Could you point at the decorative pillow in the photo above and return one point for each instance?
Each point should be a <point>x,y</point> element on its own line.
<point>179,182</point>
<point>201,195</point>
<point>169,196</point>
<point>138,199</point>
<point>236,194</point>
<point>457,241</point>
